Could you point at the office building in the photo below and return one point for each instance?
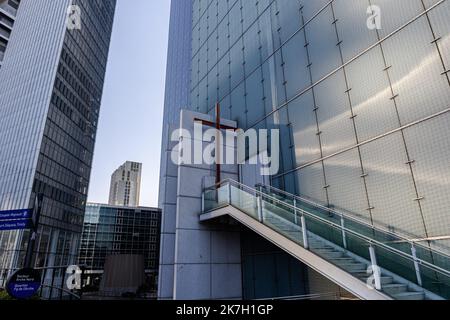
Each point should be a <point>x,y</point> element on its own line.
<point>125,185</point>
<point>118,230</point>
<point>51,83</point>
<point>359,92</point>
<point>8,12</point>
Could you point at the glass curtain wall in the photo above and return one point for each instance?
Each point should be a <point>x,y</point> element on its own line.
<point>364,113</point>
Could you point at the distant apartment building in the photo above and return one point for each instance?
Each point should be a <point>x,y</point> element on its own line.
<point>118,230</point>
<point>51,85</point>
<point>125,185</point>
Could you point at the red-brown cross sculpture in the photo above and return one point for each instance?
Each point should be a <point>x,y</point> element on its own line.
<point>219,127</point>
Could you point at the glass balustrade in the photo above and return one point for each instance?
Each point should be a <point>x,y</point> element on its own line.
<point>396,241</point>
<point>303,222</point>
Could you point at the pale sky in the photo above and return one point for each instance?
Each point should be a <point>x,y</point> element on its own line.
<point>133,98</point>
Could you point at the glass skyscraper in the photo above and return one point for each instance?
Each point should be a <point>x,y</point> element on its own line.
<point>8,11</point>
<point>366,123</point>
<point>365,112</point>
<point>362,104</point>
<point>51,84</point>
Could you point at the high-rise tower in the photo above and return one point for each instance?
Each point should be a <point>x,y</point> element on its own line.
<point>125,185</point>
<point>8,12</point>
<point>51,83</point>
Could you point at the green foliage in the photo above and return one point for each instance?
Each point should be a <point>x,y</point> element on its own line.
<point>4,295</point>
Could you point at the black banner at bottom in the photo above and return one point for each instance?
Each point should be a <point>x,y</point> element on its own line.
<point>218,309</point>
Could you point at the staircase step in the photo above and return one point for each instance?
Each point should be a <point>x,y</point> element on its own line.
<point>394,288</point>
<point>289,232</point>
<point>409,296</point>
<point>328,254</point>
<point>353,267</point>
<point>296,234</point>
<point>294,237</point>
<point>279,224</point>
<point>323,250</point>
<point>321,246</point>
<point>319,243</point>
<point>352,263</point>
<point>352,270</point>
<point>316,241</point>
<point>343,259</point>
<point>384,280</point>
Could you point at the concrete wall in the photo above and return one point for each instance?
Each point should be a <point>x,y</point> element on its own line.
<point>207,257</point>
<point>176,97</point>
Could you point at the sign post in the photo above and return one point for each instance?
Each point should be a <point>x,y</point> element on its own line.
<point>24,283</point>
<point>33,234</point>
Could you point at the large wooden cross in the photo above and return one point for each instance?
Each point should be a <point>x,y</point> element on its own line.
<point>218,150</point>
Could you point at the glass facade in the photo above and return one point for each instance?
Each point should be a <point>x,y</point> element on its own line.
<point>8,11</point>
<point>268,272</point>
<point>110,230</point>
<point>364,114</point>
<point>63,147</point>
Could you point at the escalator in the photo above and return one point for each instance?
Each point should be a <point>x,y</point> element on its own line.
<point>370,262</point>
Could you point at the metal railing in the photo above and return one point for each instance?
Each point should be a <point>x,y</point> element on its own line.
<point>351,239</point>
<point>400,238</point>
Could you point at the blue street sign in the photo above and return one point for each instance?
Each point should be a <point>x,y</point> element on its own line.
<point>16,214</point>
<point>15,224</point>
<point>24,283</point>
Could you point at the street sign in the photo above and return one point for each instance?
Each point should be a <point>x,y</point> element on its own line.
<point>15,225</point>
<point>24,219</point>
<point>24,283</point>
<point>16,214</point>
<point>16,219</point>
